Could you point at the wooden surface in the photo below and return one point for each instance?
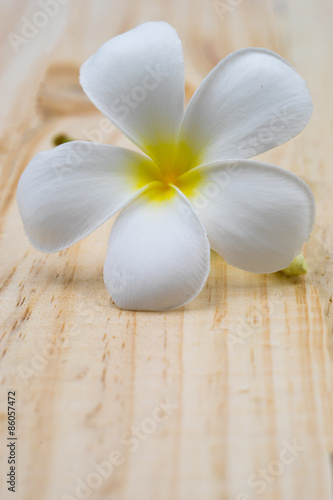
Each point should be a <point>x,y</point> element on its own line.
<point>245,369</point>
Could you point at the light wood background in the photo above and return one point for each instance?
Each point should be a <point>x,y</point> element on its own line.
<point>247,366</point>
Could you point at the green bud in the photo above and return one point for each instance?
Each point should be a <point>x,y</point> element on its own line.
<point>298,267</point>
<point>61,139</point>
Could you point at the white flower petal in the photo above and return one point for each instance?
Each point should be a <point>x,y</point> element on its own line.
<point>137,80</point>
<point>257,215</point>
<point>66,193</point>
<point>251,102</point>
<point>158,255</point>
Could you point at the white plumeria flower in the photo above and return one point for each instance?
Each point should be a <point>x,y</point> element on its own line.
<point>194,180</point>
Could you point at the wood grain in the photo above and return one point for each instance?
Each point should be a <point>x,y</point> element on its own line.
<point>246,368</point>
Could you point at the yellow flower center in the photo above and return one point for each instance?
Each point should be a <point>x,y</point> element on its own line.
<point>174,163</point>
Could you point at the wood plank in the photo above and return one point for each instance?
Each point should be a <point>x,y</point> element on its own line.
<point>245,370</point>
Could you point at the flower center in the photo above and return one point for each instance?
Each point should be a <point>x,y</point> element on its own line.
<point>169,178</point>
<point>188,183</point>
<point>175,168</point>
